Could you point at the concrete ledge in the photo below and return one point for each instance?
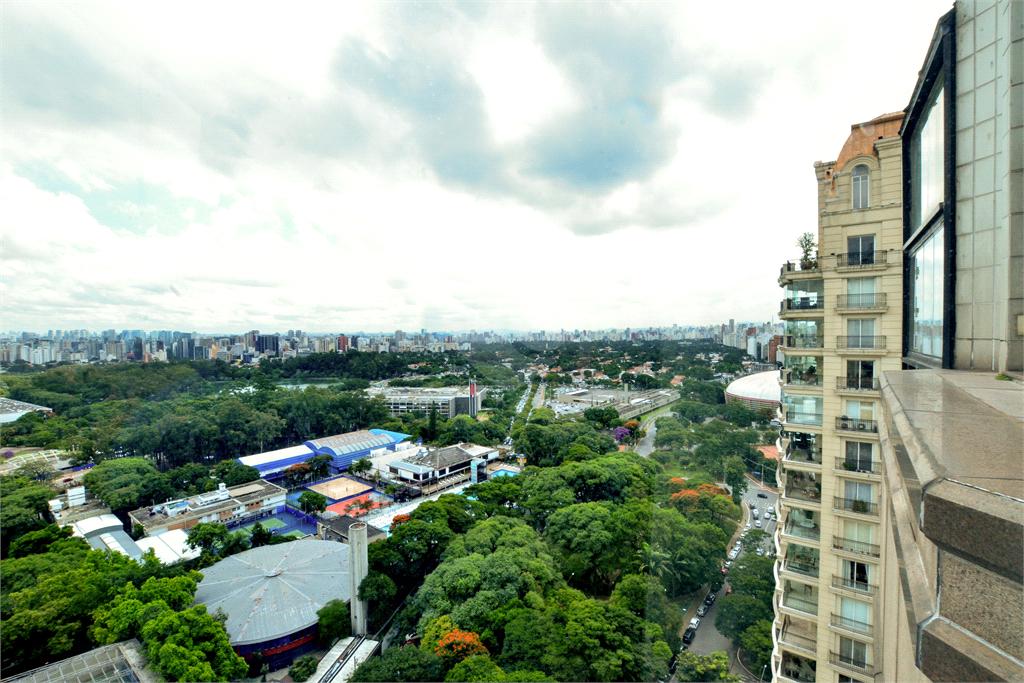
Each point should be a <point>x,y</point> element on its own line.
<point>949,654</point>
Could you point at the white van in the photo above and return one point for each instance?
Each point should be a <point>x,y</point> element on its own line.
<point>757,515</point>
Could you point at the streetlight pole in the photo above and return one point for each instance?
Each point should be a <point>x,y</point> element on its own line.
<point>761,677</point>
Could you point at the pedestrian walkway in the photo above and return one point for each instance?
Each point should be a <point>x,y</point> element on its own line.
<point>383,519</point>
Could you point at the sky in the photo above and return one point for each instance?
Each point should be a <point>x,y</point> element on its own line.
<point>448,166</point>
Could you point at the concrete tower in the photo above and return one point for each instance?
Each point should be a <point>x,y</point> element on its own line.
<point>358,566</point>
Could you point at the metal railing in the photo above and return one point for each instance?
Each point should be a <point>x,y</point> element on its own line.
<point>852,424</point>
<point>857,383</point>
<point>800,267</point>
<point>793,602</point>
<point>803,341</point>
<point>797,640</point>
<point>850,545</point>
<point>850,662</point>
<point>867,300</point>
<point>858,466</point>
<point>800,493</point>
<point>803,303</point>
<point>851,585</point>
<point>804,455</point>
<point>852,625</point>
<point>862,259</point>
<point>812,533</point>
<point>813,419</point>
<point>860,341</point>
<point>854,505</point>
<point>801,568</point>
<point>803,379</point>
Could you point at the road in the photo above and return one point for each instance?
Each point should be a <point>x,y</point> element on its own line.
<point>708,639</point>
<point>539,399</point>
<point>646,444</point>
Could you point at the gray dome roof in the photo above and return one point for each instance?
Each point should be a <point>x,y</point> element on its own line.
<point>762,386</point>
<point>275,590</point>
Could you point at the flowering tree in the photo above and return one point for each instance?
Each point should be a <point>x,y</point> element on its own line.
<point>398,520</point>
<point>685,501</point>
<point>298,473</point>
<point>712,490</point>
<point>632,426</point>
<point>620,434</point>
<point>458,645</point>
<point>677,483</point>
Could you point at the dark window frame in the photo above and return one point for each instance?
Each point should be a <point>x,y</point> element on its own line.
<point>939,70</point>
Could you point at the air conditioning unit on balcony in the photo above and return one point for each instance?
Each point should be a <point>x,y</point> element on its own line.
<point>845,422</point>
<point>861,426</point>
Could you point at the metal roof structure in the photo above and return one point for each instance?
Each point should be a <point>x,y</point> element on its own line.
<point>279,458</point>
<point>118,663</point>
<point>761,386</point>
<point>362,440</point>
<point>275,590</point>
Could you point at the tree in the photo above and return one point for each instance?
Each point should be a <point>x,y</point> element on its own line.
<point>303,667</point>
<point>334,621</point>
<point>736,478</point>
<point>260,535</point>
<point>457,645</point>
<point>757,640</point>
<point>713,667</point>
<point>737,613</point>
<point>35,542</point>
<point>297,473</point>
<point>192,646</point>
<point>234,473</point>
<point>206,535</point>
<point>807,245</point>
<point>312,502</point>
<point>319,466</point>
<point>128,483</point>
<point>360,466</point>
<point>401,664</point>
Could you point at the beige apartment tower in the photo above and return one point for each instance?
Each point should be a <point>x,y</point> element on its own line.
<point>842,308</point>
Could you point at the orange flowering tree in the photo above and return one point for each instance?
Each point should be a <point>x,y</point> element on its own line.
<point>712,490</point>
<point>399,520</point>
<point>458,645</point>
<point>677,483</point>
<point>685,501</point>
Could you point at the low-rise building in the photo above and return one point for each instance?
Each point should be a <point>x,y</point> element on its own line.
<point>427,467</point>
<point>449,401</point>
<point>337,529</point>
<point>233,505</point>
<point>76,504</point>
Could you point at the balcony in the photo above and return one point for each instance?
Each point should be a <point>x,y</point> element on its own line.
<point>862,507</point>
<point>801,568</point>
<point>798,641</point>
<point>810,533</point>
<point>795,378</point>
<point>859,342</point>
<point>848,624</point>
<point>856,384</point>
<point>803,303</point>
<point>852,546</point>
<point>843,583</point>
<point>854,302</point>
<point>803,341</point>
<point>790,267</point>
<point>804,493</point>
<point>798,418</point>
<point>836,659</point>
<point>800,604</point>
<point>862,259</point>
<point>798,670</point>
<point>845,423</point>
<point>802,456</point>
<point>847,465</point>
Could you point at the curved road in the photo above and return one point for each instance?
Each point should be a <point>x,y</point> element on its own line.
<point>646,444</point>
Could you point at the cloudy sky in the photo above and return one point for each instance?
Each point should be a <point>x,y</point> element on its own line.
<point>376,166</point>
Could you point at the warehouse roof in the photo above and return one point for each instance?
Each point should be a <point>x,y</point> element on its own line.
<point>362,440</point>
<point>761,386</point>
<point>275,590</point>
<point>298,453</point>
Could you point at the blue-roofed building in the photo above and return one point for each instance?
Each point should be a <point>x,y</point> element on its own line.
<point>344,449</point>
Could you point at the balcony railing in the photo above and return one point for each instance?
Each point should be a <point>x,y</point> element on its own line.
<point>852,625</point>
<point>803,303</point>
<point>858,465</point>
<point>850,545</point>
<point>800,267</point>
<point>797,640</point>
<point>793,602</point>
<point>850,662</point>
<point>857,383</point>
<point>812,533</point>
<point>802,493</point>
<point>801,568</point>
<point>802,455</point>
<point>803,341</point>
<point>803,379</point>
<point>813,419</point>
<point>860,341</point>
<point>851,585</point>
<point>863,259</point>
<point>853,301</point>
<point>790,671</point>
<point>854,505</point>
<point>852,424</point>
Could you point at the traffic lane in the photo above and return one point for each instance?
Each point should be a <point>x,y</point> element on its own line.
<point>646,444</point>
<point>708,639</point>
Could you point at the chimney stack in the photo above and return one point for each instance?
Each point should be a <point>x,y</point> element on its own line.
<point>358,567</point>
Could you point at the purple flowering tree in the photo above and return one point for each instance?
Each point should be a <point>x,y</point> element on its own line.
<point>620,433</point>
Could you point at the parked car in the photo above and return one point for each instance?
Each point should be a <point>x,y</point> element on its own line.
<point>688,635</point>
<point>762,495</point>
<point>728,564</point>
<point>767,516</point>
<point>760,552</point>
<point>695,623</point>
<point>710,599</point>
<point>702,610</point>
<point>757,523</point>
<point>734,554</point>
<point>746,528</point>
<point>771,509</point>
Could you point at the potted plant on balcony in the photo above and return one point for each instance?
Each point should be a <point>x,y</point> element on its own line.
<point>809,257</point>
<point>859,506</point>
<point>849,466</point>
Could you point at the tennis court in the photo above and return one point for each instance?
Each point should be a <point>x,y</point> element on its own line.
<point>270,523</point>
<point>340,488</point>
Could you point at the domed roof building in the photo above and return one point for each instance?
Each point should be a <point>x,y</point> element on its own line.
<point>760,390</point>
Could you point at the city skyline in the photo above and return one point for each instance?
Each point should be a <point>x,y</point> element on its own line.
<point>523,167</point>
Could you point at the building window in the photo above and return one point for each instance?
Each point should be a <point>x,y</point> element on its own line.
<point>859,187</point>
<point>927,284</point>
<point>853,652</point>
<point>858,456</point>
<point>860,250</point>
<point>927,146</point>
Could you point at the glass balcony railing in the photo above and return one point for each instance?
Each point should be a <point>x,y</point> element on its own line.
<point>804,303</point>
<point>849,624</point>
<point>859,466</point>
<point>799,492</point>
<point>860,341</point>
<point>851,585</point>
<point>802,568</point>
<point>861,259</point>
<point>850,545</point>
<point>800,604</point>
<point>854,301</point>
<point>788,637</point>
<point>801,341</point>
<point>837,659</point>
<point>797,454</point>
<point>809,266</point>
<point>811,533</point>
<point>798,418</point>
<point>801,671</point>
<point>854,505</point>
<point>852,424</point>
<point>802,379</point>
<point>857,383</point>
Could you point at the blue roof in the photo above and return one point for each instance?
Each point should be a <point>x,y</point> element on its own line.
<point>397,436</point>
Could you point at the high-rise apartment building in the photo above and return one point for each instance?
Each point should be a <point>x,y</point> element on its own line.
<point>842,309</point>
<point>901,535</point>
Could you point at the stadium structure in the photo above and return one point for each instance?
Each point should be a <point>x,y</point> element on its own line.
<point>344,449</point>
<point>760,390</point>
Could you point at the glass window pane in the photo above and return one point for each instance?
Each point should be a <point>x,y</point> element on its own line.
<point>927,295</point>
<point>927,147</point>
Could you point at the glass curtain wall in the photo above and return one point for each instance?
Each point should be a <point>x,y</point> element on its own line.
<point>802,370</point>
<point>927,294</point>
<point>806,334</point>
<point>806,410</point>
<point>805,295</point>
